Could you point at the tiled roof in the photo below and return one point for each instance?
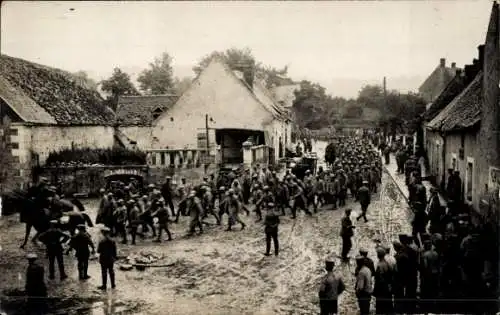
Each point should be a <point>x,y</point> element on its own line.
<point>437,81</point>
<point>464,111</point>
<point>56,91</point>
<point>453,88</point>
<point>142,110</point>
<point>22,105</point>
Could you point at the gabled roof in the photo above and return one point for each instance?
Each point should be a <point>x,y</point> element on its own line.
<point>22,105</point>
<point>437,82</point>
<point>452,90</point>
<point>464,111</point>
<point>55,91</point>
<point>258,92</point>
<point>142,110</point>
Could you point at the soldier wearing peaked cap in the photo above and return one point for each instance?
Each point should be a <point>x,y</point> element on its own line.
<point>107,256</point>
<point>383,284</point>
<point>364,287</point>
<point>81,243</point>
<point>53,239</point>
<point>331,287</point>
<point>346,232</point>
<point>364,197</point>
<point>271,222</point>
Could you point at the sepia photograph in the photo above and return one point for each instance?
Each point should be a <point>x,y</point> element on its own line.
<point>249,157</point>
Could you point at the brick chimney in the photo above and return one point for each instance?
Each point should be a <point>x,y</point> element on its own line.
<point>469,72</point>
<point>442,62</point>
<point>480,49</point>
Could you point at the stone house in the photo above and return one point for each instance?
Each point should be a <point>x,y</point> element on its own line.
<point>135,116</point>
<point>437,81</point>
<point>220,110</point>
<point>48,110</point>
<point>464,133</point>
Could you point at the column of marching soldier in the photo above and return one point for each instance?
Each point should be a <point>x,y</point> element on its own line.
<point>357,170</point>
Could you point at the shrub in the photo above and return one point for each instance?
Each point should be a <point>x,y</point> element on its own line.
<point>87,156</point>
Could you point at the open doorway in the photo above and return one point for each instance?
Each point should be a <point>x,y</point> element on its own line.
<point>231,143</point>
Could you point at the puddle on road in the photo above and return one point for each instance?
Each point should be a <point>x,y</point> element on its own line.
<point>13,303</point>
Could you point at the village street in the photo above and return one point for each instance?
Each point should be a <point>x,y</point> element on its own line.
<point>219,272</point>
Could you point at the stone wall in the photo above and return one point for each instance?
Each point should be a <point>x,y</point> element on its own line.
<point>489,154</point>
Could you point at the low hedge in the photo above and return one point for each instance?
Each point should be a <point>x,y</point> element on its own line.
<point>86,156</point>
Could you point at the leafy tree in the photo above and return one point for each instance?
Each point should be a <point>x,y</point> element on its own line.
<point>181,85</point>
<point>117,85</point>
<point>158,79</point>
<point>83,79</point>
<point>237,59</point>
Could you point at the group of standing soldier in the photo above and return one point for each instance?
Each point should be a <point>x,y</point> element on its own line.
<point>438,269</point>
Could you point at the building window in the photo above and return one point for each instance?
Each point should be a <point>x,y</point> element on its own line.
<point>153,158</point>
<point>13,132</point>
<point>15,159</point>
<point>14,145</point>
<point>162,158</point>
<point>469,179</point>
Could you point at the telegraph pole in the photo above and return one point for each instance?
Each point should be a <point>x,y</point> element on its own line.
<point>207,154</point>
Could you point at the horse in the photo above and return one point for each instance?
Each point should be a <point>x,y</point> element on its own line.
<point>34,216</point>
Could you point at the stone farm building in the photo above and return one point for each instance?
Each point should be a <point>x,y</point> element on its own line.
<point>43,109</point>
<point>227,106</point>
<point>47,110</point>
<point>462,124</point>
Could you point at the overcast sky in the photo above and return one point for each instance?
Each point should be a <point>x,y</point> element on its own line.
<point>341,45</point>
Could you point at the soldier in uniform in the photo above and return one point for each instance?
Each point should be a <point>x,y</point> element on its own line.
<point>166,192</point>
<point>53,239</point>
<point>195,210</point>
<point>436,212</point>
<point>364,200</point>
<point>363,288</point>
<point>208,204</point>
<point>81,243</point>
<point>133,219</point>
<point>429,278</point>
<point>107,257</point>
<point>331,287</point>
<point>35,287</point>
<point>368,261</point>
<point>299,201</point>
<point>234,206</point>
<point>271,222</point>
<point>346,232</point>
<point>401,272</point>
<point>257,195</point>
<point>266,197</point>
<point>120,218</point>
<point>35,280</point>
<point>282,196</point>
<point>162,215</point>
<point>383,284</point>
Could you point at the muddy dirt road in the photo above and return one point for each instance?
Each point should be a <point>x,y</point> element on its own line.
<point>218,272</point>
